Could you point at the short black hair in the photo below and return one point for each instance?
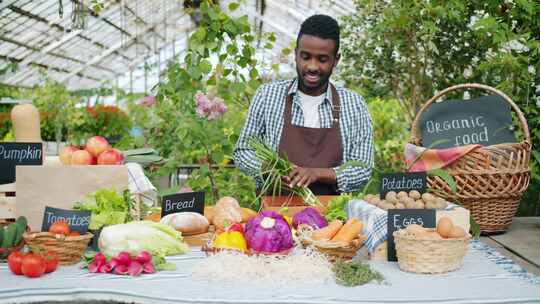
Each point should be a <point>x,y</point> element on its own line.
<point>322,26</point>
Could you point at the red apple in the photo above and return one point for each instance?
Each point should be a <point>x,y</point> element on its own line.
<point>66,153</point>
<point>110,157</point>
<point>81,157</point>
<point>97,144</point>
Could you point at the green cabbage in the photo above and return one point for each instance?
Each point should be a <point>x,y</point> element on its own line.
<point>133,237</point>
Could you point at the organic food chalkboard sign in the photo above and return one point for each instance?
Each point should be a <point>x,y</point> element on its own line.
<point>404,181</point>
<point>18,154</point>
<point>486,121</point>
<point>77,220</point>
<point>401,218</point>
<point>182,202</point>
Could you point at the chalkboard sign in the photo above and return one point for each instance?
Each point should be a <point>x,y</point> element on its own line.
<point>486,121</point>
<point>77,220</point>
<point>401,218</point>
<point>18,154</point>
<point>182,202</point>
<point>405,181</point>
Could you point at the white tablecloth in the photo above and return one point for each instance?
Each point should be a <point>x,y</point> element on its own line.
<point>486,277</point>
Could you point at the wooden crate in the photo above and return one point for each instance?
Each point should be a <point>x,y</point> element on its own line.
<point>7,201</point>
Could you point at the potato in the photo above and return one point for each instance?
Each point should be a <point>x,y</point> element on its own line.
<point>402,194</point>
<point>393,200</point>
<point>390,194</point>
<point>431,205</point>
<point>428,197</point>
<point>419,204</point>
<point>414,194</point>
<point>441,203</point>
<point>390,206</point>
<point>376,200</point>
<point>410,204</point>
<point>400,206</point>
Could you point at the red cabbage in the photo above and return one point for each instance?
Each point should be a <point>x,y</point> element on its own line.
<point>309,216</point>
<point>268,232</point>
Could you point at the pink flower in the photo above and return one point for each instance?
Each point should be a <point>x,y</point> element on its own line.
<point>147,101</point>
<point>210,109</point>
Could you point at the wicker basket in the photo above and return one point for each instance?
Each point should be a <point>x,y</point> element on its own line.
<point>429,255</point>
<point>334,251</point>
<point>69,248</point>
<point>490,180</point>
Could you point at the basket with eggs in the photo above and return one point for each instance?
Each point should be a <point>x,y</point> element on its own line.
<point>425,250</point>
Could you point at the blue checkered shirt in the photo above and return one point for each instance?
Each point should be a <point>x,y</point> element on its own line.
<point>265,121</point>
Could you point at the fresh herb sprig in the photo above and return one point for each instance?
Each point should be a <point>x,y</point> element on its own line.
<point>274,168</point>
<point>354,273</point>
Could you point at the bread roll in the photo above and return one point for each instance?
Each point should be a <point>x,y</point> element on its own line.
<point>189,223</point>
<point>227,211</point>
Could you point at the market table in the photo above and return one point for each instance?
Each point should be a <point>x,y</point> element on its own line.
<point>486,277</point>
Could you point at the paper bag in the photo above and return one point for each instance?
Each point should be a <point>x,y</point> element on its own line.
<point>61,187</point>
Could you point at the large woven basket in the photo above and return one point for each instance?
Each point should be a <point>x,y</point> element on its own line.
<point>425,255</point>
<point>69,248</point>
<point>490,180</point>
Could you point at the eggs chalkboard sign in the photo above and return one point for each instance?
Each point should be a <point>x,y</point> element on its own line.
<point>18,154</point>
<point>404,181</point>
<point>182,202</point>
<point>77,220</point>
<point>485,120</point>
<point>401,218</point>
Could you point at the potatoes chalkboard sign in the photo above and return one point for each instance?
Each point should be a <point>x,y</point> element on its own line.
<point>18,154</point>
<point>404,181</point>
<point>485,120</point>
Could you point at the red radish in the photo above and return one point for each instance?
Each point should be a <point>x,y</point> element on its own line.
<point>114,263</point>
<point>121,269</point>
<point>94,267</point>
<point>144,257</point>
<point>135,268</point>
<point>105,268</point>
<point>123,258</point>
<point>97,144</point>
<point>100,258</point>
<point>148,267</point>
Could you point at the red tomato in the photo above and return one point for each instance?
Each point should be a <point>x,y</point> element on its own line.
<point>236,227</point>
<point>51,260</point>
<point>60,227</point>
<point>74,233</point>
<point>33,265</point>
<point>15,261</point>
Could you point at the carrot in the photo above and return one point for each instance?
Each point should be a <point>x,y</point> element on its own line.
<point>348,232</point>
<point>327,232</point>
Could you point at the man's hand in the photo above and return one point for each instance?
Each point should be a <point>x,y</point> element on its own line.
<point>303,177</point>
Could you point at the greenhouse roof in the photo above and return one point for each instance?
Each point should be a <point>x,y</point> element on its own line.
<point>114,45</point>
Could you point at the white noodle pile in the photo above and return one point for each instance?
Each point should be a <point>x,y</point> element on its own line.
<point>302,265</point>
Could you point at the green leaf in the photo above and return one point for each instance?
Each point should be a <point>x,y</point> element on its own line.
<point>253,73</point>
<point>445,176</point>
<point>213,14</point>
<point>233,6</point>
<point>475,227</point>
<point>205,66</point>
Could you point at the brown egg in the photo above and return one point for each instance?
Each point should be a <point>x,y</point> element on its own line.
<point>457,232</point>
<point>444,226</point>
<point>416,230</point>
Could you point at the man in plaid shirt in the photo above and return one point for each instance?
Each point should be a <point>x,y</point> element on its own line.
<point>318,126</point>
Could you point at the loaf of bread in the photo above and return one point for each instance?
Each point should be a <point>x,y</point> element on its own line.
<point>226,212</point>
<point>189,223</point>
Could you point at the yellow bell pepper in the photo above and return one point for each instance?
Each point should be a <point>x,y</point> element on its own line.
<point>231,240</point>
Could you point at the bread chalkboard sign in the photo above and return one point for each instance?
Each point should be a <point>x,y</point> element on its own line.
<point>182,202</point>
<point>486,121</point>
<point>405,181</point>
<point>401,218</point>
<point>77,220</point>
<point>18,154</point>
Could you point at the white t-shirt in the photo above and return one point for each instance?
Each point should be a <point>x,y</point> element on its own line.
<point>310,108</point>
